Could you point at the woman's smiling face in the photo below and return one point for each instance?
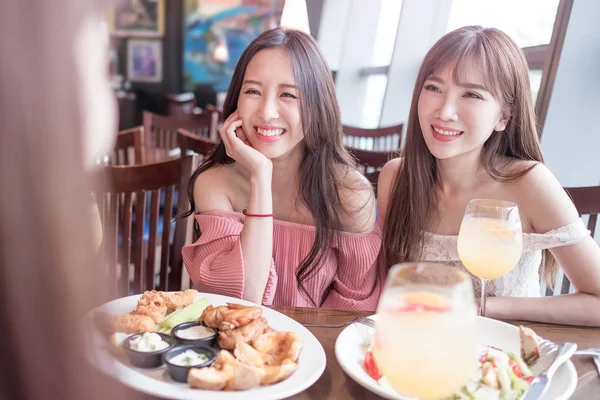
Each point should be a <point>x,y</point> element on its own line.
<point>457,118</point>
<point>269,104</point>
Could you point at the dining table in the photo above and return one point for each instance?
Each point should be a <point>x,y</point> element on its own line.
<point>335,384</point>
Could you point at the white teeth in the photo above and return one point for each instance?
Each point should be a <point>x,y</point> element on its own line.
<point>270,132</point>
<point>446,133</point>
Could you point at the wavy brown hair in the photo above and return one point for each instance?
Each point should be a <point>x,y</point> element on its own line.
<point>324,156</point>
<point>505,73</point>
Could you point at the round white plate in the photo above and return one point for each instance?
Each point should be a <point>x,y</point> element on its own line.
<point>349,350</point>
<point>157,382</point>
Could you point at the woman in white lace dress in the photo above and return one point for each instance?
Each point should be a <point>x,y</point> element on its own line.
<point>472,134</point>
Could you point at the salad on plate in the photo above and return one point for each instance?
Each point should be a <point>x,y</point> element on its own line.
<point>501,375</point>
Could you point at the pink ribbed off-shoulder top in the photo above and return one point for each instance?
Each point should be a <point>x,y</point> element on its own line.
<point>348,278</point>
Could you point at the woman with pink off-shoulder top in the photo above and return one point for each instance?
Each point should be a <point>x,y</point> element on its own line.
<point>285,217</point>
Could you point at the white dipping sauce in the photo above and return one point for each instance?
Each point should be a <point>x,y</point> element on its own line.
<point>148,342</point>
<point>195,332</point>
<point>189,358</point>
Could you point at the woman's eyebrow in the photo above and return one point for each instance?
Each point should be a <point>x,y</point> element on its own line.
<point>464,85</point>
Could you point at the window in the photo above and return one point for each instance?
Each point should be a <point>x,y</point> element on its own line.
<point>376,74</point>
<point>528,22</point>
<point>535,79</point>
<point>373,104</point>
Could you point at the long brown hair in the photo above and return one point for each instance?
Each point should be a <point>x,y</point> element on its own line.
<point>47,279</point>
<point>505,74</point>
<point>324,156</point>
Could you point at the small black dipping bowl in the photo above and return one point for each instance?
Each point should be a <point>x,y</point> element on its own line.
<point>208,341</point>
<point>179,373</point>
<point>147,359</point>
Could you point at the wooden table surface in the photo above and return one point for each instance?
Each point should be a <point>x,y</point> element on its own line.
<point>335,384</point>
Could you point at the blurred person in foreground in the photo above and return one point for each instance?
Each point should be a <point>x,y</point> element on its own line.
<point>57,115</point>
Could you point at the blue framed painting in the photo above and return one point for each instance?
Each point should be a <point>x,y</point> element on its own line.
<point>216,32</point>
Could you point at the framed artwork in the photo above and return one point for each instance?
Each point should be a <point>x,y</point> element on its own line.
<point>144,60</point>
<point>216,32</point>
<point>138,18</point>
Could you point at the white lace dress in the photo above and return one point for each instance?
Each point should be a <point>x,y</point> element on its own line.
<point>524,279</point>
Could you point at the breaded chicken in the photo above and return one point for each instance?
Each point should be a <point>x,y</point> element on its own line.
<point>153,305</point>
<point>177,300</point>
<point>128,323</point>
<point>229,338</point>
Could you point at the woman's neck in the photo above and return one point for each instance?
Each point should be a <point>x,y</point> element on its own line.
<point>285,170</point>
<point>461,173</point>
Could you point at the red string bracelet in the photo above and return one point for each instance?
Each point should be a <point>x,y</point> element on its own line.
<point>245,212</point>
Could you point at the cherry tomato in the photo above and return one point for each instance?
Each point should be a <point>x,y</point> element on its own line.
<point>371,367</point>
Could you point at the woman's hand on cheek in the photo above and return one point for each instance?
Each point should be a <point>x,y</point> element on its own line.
<point>238,147</point>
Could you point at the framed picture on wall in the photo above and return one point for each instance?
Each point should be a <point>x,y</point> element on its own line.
<point>138,18</point>
<point>144,60</point>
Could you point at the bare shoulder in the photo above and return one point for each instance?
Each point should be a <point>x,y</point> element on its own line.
<point>543,200</point>
<point>358,200</point>
<point>211,189</point>
<point>387,175</point>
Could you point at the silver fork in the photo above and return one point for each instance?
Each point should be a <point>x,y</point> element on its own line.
<point>548,346</point>
<point>360,320</point>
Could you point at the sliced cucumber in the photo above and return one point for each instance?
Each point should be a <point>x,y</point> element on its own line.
<point>186,314</point>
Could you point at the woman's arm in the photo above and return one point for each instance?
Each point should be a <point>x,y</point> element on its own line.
<point>256,237</point>
<point>547,206</point>
<point>356,284</point>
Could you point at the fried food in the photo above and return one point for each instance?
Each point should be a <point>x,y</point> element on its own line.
<point>128,323</point>
<point>152,304</point>
<point>231,316</point>
<point>277,373</point>
<point>228,339</point>
<point>215,377</point>
<point>177,300</point>
<point>276,347</point>
<point>530,350</point>
<point>247,354</point>
<point>227,373</point>
<point>245,377</point>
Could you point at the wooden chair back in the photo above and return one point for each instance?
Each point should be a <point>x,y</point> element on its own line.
<point>129,147</point>
<point>217,120</point>
<point>587,202</point>
<point>197,144</point>
<point>378,139</point>
<point>124,229</point>
<point>370,162</point>
<point>161,130</point>
<point>180,104</point>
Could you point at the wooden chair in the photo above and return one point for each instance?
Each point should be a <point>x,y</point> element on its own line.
<point>161,131</point>
<point>129,147</point>
<point>197,144</point>
<point>370,162</point>
<point>180,104</point>
<point>378,139</point>
<point>217,120</point>
<point>122,228</point>
<point>587,202</point>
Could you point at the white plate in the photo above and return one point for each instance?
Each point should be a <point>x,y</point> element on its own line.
<point>157,382</point>
<point>349,351</point>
